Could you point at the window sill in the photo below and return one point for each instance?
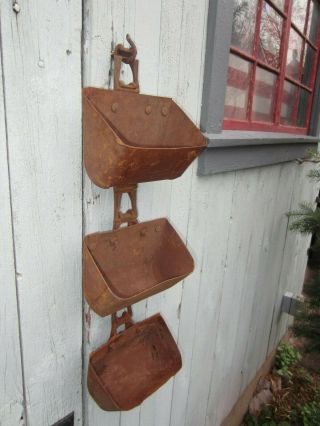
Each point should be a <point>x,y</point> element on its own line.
<point>236,150</point>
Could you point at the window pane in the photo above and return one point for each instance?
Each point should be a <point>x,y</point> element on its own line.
<point>313,21</point>
<point>279,3</point>
<point>299,10</point>
<point>263,96</point>
<point>309,58</point>
<point>243,25</point>
<point>237,88</point>
<point>303,108</point>
<point>289,101</point>
<point>294,54</point>
<point>270,36</point>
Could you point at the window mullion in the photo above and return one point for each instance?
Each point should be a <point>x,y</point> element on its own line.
<point>254,65</point>
<point>304,44</point>
<point>307,19</point>
<point>313,84</point>
<point>283,56</point>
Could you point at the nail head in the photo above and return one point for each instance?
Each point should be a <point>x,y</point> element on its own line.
<point>16,7</point>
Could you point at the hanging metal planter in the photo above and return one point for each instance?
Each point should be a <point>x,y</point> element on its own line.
<point>131,138</point>
<point>124,266</point>
<point>133,364</point>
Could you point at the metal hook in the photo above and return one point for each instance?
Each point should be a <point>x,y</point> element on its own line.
<point>127,55</point>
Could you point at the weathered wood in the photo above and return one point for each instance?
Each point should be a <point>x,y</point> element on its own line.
<point>156,409</point>
<point>104,27</point>
<point>225,316</point>
<point>295,253</point>
<point>42,68</point>
<point>260,195</point>
<point>234,225</point>
<point>235,282</point>
<point>212,266</point>
<point>12,411</point>
<point>282,179</point>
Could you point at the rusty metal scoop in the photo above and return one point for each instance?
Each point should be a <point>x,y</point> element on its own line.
<point>133,364</point>
<point>131,138</point>
<point>129,264</point>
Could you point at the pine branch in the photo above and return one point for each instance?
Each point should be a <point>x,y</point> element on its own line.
<point>314,175</point>
<point>306,220</point>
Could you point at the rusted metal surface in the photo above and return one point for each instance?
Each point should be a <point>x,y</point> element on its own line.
<point>124,266</point>
<point>130,216</point>
<point>131,138</point>
<point>127,56</point>
<point>133,364</point>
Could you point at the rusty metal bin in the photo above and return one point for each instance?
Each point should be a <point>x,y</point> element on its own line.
<point>129,264</point>
<point>133,364</point>
<point>131,138</point>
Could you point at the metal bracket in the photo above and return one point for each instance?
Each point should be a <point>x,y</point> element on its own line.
<point>125,318</point>
<point>291,304</point>
<point>131,215</point>
<point>131,218</point>
<point>127,56</point>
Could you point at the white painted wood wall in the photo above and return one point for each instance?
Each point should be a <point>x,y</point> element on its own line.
<point>225,316</point>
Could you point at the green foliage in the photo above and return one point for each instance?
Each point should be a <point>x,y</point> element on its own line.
<point>287,356</point>
<point>314,174</point>
<point>303,415</point>
<point>306,219</point>
<point>313,156</point>
<point>265,418</point>
<point>304,376</point>
<point>310,414</point>
<point>287,408</point>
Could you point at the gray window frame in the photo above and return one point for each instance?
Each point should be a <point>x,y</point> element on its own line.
<point>231,149</point>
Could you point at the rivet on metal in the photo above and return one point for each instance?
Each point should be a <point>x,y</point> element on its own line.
<point>164,111</point>
<point>113,242</point>
<point>143,232</point>
<point>114,107</point>
<point>148,109</point>
<point>16,7</point>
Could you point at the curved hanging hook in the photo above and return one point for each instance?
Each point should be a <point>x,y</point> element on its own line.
<point>127,55</point>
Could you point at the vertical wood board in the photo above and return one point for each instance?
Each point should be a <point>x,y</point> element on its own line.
<point>12,411</point>
<point>234,225</point>
<point>41,47</point>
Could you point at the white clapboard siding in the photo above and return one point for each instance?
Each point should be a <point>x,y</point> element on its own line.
<point>11,389</point>
<point>295,252</point>
<point>266,282</point>
<point>234,224</point>
<point>41,49</point>
<point>225,316</point>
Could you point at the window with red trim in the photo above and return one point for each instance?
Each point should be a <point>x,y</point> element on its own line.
<point>273,64</point>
